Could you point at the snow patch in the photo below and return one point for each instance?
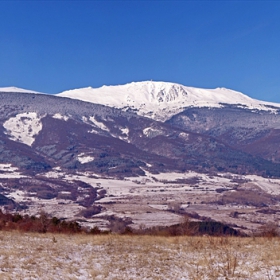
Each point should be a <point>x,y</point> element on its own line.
<point>125,134</point>
<point>8,171</point>
<point>82,158</point>
<point>16,89</point>
<point>7,167</point>
<point>93,131</point>
<point>271,186</point>
<point>152,132</point>
<point>184,135</point>
<point>60,117</point>
<point>23,127</point>
<point>124,131</point>
<point>17,195</point>
<point>98,124</point>
<point>57,168</point>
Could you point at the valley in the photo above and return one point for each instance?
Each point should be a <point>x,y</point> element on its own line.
<point>246,203</point>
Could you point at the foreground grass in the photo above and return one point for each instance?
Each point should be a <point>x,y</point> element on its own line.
<point>80,256</point>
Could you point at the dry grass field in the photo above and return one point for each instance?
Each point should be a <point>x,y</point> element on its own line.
<point>81,256</point>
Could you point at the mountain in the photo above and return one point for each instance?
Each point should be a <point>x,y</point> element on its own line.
<point>162,100</point>
<point>56,131</point>
<point>253,131</point>
<point>243,123</point>
<point>148,142</point>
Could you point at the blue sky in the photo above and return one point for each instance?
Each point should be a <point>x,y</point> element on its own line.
<point>51,46</point>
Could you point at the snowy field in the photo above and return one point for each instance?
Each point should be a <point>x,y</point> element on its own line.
<point>147,200</point>
<point>48,256</point>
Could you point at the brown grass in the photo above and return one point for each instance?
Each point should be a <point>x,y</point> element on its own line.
<point>81,256</point>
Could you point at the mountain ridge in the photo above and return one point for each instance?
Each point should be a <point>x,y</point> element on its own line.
<point>159,100</point>
<point>162,100</point>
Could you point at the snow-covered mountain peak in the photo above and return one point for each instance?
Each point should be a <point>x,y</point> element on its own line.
<point>158,92</point>
<point>16,89</point>
<point>161,100</point>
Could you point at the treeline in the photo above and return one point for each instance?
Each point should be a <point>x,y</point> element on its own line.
<point>43,224</point>
<point>193,228</point>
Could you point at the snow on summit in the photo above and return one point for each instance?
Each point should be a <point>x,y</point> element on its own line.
<point>161,100</point>
<point>16,89</point>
